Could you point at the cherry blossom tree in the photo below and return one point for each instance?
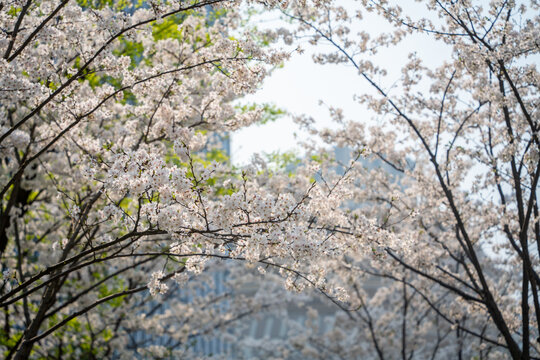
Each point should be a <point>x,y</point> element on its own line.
<point>115,197</point>
<point>108,199</point>
<point>454,175</point>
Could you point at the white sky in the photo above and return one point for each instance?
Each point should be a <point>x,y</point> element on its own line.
<point>300,84</point>
<point>297,88</point>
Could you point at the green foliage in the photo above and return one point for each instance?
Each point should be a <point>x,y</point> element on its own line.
<point>14,10</point>
<point>134,50</point>
<point>168,28</point>
<point>323,157</point>
<point>217,155</point>
<point>87,344</point>
<point>124,204</point>
<point>117,287</point>
<point>286,161</point>
<point>270,112</point>
<point>118,5</point>
<point>9,340</point>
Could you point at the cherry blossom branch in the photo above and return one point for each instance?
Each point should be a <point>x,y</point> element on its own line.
<point>35,32</point>
<point>16,29</point>
<point>79,118</point>
<point>82,69</point>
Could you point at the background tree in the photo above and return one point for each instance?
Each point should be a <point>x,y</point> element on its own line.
<point>462,133</point>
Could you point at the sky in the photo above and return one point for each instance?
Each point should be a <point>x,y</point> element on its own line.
<point>296,88</point>
<point>301,84</point>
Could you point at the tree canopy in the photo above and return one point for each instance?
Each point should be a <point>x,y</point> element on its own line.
<point>120,209</point>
